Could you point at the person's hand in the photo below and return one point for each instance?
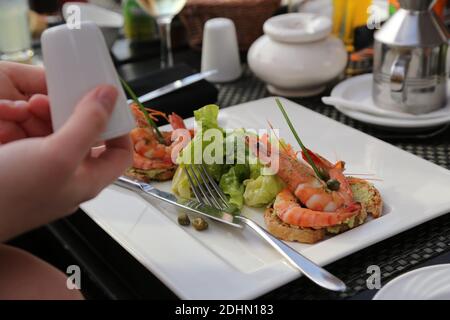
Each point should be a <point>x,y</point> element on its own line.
<point>44,178</point>
<point>24,119</point>
<point>21,81</point>
<point>24,106</point>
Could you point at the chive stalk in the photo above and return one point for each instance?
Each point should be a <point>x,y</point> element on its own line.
<point>143,110</point>
<point>302,146</point>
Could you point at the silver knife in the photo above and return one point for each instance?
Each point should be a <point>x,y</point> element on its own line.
<point>178,84</point>
<point>190,205</point>
<point>314,272</point>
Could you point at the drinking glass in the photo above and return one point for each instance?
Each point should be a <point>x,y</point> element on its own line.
<point>164,11</point>
<point>15,36</point>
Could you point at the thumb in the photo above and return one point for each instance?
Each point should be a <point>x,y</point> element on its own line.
<point>87,123</point>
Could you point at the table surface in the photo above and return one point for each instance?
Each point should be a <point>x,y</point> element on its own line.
<point>121,276</point>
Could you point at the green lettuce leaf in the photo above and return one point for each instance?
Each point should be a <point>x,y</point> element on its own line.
<point>233,188</point>
<point>230,175</point>
<point>262,190</point>
<point>255,170</point>
<point>207,116</point>
<point>180,184</point>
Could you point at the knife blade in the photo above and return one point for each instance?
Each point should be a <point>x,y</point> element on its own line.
<point>178,84</point>
<point>145,189</point>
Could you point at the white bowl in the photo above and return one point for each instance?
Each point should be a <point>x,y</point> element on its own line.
<point>297,56</point>
<point>108,21</point>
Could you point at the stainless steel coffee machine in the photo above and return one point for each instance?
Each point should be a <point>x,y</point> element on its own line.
<point>410,62</point>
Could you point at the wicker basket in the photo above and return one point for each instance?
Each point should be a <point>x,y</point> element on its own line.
<point>248,16</point>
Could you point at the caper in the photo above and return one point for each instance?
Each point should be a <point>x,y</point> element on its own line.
<point>184,220</point>
<point>333,184</point>
<point>200,224</point>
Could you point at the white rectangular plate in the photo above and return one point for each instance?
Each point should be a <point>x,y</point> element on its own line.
<point>227,263</point>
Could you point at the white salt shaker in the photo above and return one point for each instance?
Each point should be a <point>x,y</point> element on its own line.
<point>220,50</point>
<point>76,61</point>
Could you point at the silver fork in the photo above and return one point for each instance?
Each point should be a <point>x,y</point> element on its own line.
<point>207,192</point>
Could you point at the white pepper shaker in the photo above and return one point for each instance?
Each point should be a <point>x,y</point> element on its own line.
<point>76,61</point>
<point>220,50</point>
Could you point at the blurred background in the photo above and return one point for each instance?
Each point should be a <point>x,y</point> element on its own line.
<point>136,26</point>
<point>133,31</point>
<point>140,36</point>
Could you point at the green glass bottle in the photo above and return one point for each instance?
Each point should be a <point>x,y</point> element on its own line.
<point>139,26</point>
<point>393,7</point>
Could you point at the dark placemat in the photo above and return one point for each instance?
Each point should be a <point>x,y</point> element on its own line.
<point>182,101</point>
<point>395,255</point>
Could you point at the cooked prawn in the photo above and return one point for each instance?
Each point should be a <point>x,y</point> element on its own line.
<point>307,187</point>
<point>290,211</point>
<point>322,206</point>
<point>147,145</point>
<point>335,171</point>
<point>144,163</point>
<point>149,152</point>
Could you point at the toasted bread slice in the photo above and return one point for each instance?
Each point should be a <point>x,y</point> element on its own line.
<point>363,192</point>
<point>151,175</point>
<point>289,232</point>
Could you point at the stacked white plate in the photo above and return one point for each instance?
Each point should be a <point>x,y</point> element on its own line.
<point>353,97</point>
<point>430,283</point>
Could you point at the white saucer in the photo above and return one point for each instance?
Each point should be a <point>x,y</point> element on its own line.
<point>429,283</point>
<point>359,89</point>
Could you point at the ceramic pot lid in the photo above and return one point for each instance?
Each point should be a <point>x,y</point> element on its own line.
<point>297,27</point>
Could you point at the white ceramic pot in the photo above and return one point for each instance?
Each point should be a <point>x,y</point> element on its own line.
<point>297,56</point>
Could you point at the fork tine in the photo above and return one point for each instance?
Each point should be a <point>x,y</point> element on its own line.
<point>215,186</point>
<point>194,188</point>
<point>213,197</point>
<point>200,186</point>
